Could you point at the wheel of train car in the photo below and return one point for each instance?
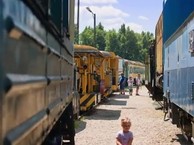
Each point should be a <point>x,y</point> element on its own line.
<point>186,127</point>
<point>165,105</point>
<point>63,132</point>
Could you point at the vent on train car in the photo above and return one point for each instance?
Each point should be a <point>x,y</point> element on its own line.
<point>192,90</point>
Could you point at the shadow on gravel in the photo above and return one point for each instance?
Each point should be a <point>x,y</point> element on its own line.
<point>112,100</point>
<point>115,102</point>
<point>128,108</point>
<point>181,140</point>
<point>119,96</point>
<point>79,125</point>
<point>103,114</point>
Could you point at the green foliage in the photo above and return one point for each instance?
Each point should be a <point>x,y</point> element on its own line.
<point>100,39</point>
<point>125,43</point>
<point>112,42</point>
<point>87,36</point>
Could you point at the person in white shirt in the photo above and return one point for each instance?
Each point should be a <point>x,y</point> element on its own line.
<point>130,85</point>
<point>138,84</point>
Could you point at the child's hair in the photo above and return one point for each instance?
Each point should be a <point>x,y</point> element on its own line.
<point>125,120</point>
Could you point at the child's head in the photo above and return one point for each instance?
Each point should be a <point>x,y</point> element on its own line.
<point>126,124</point>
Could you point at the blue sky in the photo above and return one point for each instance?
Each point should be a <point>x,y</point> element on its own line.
<point>139,15</point>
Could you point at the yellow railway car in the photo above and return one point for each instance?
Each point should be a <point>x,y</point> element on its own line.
<point>88,61</point>
<point>154,63</point>
<point>109,73</point>
<point>158,34</point>
<point>114,64</point>
<point>106,74</point>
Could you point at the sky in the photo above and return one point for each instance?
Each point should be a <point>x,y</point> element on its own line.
<point>139,15</point>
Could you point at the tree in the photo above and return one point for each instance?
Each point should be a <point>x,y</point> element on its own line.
<point>100,37</point>
<point>125,43</point>
<point>87,36</point>
<point>144,42</point>
<point>112,42</point>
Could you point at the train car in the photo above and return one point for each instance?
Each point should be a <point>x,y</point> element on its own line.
<point>109,73</point>
<point>120,65</point>
<point>135,68</point>
<point>114,64</point>
<point>126,68</point>
<point>178,48</point>
<point>132,68</point>
<point>88,60</point>
<point>36,72</point>
<point>123,67</point>
<point>154,64</point>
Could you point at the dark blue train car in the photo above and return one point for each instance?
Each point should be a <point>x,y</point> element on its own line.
<point>178,50</point>
<point>36,72</point>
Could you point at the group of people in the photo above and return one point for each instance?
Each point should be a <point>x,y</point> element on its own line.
<point>130,81</point>
<point>125,136</point>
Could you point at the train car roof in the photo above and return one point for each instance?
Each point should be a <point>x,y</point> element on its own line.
<point>108,54</point>
<point>118,57</point>
<point>135,62</point>
<point>86,49</point>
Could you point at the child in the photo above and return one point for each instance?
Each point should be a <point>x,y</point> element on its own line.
<point>124,137</point>
<point>130,85</point>
<point>138,84</point>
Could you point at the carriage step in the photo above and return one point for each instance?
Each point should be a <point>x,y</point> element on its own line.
<point>67,142</point>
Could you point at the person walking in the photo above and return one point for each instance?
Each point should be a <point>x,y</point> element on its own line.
<point>130,85</point>
<point>122,83</point>
<point>138,84</point>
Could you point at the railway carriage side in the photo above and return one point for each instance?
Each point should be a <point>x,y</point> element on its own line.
<point>154,64</point>
<point>136,68</point>
<point>109,73</point>
<point>88,61</point>
<point>114,63</point>
<point>178,45</point>
<point>36,72</point>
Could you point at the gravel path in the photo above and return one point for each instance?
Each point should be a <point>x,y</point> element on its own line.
<point>100,126</point>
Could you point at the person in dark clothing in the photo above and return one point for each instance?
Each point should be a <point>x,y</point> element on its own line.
<point>122,84</point>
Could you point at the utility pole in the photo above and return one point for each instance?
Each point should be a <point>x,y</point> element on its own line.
<point>94,16</point>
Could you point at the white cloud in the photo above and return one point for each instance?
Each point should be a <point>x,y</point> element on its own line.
<point>103,11</point>
<point>98,1</point>
<point>135,27</point>
<point>143,18</point>
<point>109,16</point>
<point>112,23</point>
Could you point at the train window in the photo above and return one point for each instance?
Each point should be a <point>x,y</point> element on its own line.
<point>168,57</point>
<point>191,41</point>
<point>192,89</point>
<point>55,13</point>
<point>168,79</point>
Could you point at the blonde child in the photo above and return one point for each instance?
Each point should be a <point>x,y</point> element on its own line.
<point>124,136</point>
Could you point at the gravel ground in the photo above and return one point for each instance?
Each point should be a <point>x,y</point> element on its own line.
<point>100,126</point>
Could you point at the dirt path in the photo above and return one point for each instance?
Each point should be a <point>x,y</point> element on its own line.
<point>148,125</point>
